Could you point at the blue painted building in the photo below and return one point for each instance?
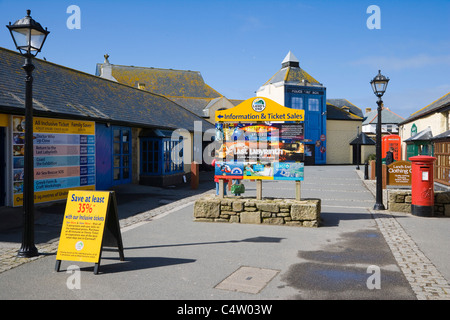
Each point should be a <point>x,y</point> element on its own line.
<point>294,88</point>
<point>132,137</point>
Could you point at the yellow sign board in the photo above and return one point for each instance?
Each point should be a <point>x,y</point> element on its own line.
<point>48,195</point>
<point>48,125</point>
<point>259,110</point>
<point>88,215</point>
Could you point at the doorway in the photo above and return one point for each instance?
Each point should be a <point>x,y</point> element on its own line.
<point>2,167</point>
<point>356,154</point>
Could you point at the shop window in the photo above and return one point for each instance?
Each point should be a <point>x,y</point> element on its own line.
<point>150,156</point>
<point>161,156</point>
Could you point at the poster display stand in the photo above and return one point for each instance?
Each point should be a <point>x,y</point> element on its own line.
<point>260,139</point>
<point>90,223</point>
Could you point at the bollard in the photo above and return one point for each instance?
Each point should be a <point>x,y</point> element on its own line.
<point>258,189</point>
<point>372,170</point>
<point>194,175</point>
<point>298,185</point>
<point>366,170</point>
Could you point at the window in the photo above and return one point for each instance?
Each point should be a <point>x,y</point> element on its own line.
<point>121,154</point>
<point>173,157</point>
<point>161,156</point>
<point>150,156</point>
<point>297,103</point>
<point>313,104</point>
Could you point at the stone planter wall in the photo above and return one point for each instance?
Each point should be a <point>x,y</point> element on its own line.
<point>289,212</point>
<point>400,201</point>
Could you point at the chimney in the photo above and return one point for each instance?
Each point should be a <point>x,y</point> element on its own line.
<point>106,69</point>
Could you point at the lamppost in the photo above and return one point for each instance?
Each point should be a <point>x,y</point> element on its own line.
<point>379,84</point>
<point>358,149</point>
<point>29,37</point>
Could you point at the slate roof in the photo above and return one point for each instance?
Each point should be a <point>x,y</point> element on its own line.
<point>66,93</point>
<point>423,135</point>
<point>363,139</point>
<point>291,73</point>
<point>387,117</point>
<point>336,113</point>
<point>441,104</point>
<point>166,82</point>
<point>342,103</point>
<point>443,135</point>
<point>186,88</point>
<point>235,102</point>
<point>194,105</point>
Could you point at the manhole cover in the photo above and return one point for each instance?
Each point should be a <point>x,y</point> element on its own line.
<point>248,279</point>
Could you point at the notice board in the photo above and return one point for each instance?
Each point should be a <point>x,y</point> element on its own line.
<point>90,222</point>
<point>260,139</point>
<point>64,157</point>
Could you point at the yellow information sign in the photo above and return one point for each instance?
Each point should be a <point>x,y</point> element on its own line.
<point>259,110</point>
<point>88,217</point>
<point>48,125</point>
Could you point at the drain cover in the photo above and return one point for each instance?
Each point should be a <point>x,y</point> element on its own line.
<point>248,279</point>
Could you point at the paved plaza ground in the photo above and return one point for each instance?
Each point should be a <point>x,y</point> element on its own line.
<point>169,256</point>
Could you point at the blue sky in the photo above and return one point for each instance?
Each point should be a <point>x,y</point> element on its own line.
<point>239,45</point>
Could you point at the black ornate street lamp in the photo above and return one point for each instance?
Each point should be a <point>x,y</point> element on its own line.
<point>29,37</point>
<point>379,85</point>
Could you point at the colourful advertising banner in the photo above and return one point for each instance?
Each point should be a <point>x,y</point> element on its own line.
<point>260,151</point>
<point>64,157</point>
<point>260,139</point>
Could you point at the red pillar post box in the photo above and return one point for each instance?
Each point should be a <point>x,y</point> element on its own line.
<point>422,185</point>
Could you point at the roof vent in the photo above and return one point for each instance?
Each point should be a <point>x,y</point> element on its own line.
<point>290,61</point>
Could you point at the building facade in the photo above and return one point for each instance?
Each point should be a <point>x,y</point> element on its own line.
<point>426,132</point>
<point>346,143</point>
<point>389,121</point>
<point>90,132</point>
<point>294,88</point>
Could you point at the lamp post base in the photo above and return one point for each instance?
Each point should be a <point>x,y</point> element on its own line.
<point>379,206</point>
<point>27,252</point>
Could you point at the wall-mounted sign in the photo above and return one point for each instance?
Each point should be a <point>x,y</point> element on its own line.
<point>64,157</point>
<point>413,129</point>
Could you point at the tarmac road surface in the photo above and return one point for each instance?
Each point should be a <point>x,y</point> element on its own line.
<point>172,257</point>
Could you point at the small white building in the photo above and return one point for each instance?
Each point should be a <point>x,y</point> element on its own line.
<point>389,121</point>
